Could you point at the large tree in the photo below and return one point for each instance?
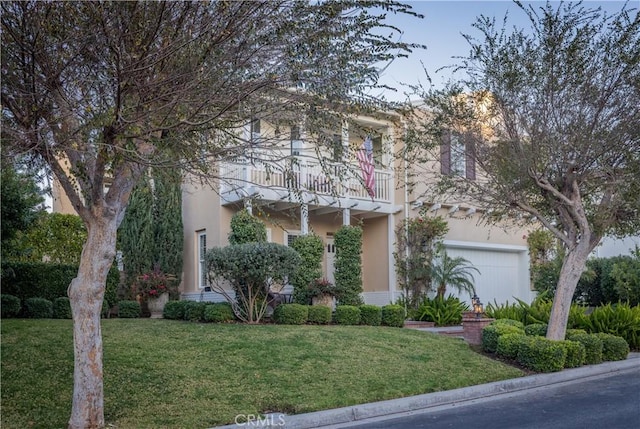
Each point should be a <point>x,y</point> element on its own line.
<point>545,128</point>
<point>91,89</point>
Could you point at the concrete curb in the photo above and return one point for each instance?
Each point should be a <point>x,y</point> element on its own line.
<point>355,413</point>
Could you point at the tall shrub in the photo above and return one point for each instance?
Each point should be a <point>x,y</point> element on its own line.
<point>168,228</point>
<point>348,265</point>
<point>310,248</point>
<point>246,228</point>
<point>135,235</point>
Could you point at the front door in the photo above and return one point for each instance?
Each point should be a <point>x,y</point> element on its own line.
<point>330,252</point>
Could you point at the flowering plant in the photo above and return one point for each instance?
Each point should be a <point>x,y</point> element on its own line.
<point>154,283</point>
<point>319,287</point>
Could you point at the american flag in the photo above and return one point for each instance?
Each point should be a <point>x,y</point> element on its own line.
<point>365,159</point>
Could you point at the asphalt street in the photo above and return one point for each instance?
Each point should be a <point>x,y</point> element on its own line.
<point>610,402</point>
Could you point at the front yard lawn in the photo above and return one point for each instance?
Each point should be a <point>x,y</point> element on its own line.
<point>171,374</point>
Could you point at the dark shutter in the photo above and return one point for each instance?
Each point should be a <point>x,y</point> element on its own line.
<point>445,153</point>
<point>470,157</point>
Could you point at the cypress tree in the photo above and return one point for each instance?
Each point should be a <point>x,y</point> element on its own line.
<point>167,215</point>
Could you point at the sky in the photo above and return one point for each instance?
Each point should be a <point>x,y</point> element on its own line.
<point>442,28</point>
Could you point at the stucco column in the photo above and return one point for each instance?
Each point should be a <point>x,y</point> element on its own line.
<point>346,216</point>
<point>391,262</point>
<point>304,219</point>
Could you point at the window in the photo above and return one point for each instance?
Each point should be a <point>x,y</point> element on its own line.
<point>296,140</point>
<point>202,266</point>
<point>255,130</point>
<point>290,237</point>
<point>457,155</point>
<point>336,147</point>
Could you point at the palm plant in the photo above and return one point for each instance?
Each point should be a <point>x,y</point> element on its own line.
<point>455,272</point>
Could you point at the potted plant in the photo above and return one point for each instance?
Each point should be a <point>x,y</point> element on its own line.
<point>322,292</point>
<point>154,288</point>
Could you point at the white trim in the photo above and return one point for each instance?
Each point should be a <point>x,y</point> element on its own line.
<point>390,262</point>
<point>200,258</point>
<point>487,246</point>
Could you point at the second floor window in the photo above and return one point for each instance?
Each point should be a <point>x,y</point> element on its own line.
<point>255,130</point>
<point>457,155</point>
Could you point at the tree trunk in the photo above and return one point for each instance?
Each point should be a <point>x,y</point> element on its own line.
<point>86,293</point>
<point>572,268</point>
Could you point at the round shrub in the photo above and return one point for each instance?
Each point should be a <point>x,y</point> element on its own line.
<point>9,306</point>
<point>38,308</point>
<point>538,329</point>
<point>508,345</point>
<point>575,353</point>
<point>319,314</point>
<point>174,310</point>
<point>574,332</point>
<point>393,315</point>
<point>592,345</point>
<point>511,322</point>
<point>62,308</point>
<point>542,355</point>
<point>613,347</point>
<point>219,312</point>
<point>194,311</point>
<point>491,333</point>
<point>291,314</point>
<point>347,315</point>
<point>128,309</point>
<point>370,315</point>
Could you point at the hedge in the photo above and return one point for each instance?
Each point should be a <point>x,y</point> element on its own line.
<point>491,333</point>
<point>9,305</point>
<point>38,308</point>
<point>509,344</point>
<point>194,311</point>
<point>291,314</point>
<point>613,347</point>
<point>538,329</point>
<point>542,355</point>
<point>61,308</point>
<point>128,309</point>
<point>219,312</point>
<point>393,315</point>
<point>174,310</point>
<point>46,280</point>
<point>593,347</point>
<point>347,315</point>
<point>575,353</point>
<point>511,322</point>
<point>319,314</point>
<point>370,315</point>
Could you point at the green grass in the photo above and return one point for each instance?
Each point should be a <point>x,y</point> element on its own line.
<point>169,374</point>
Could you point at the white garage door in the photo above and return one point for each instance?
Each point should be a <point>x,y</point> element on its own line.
<point>504,273</point>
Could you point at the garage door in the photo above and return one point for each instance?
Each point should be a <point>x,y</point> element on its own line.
<point>504,274</point>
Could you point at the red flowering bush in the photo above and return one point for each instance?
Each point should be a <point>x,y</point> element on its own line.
<point>319,287</point>
<point>154,283</point>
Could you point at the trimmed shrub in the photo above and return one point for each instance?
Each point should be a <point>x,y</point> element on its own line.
<point>174,310</point>
<point>347,315</point>
<point>393,315</point>
<point>575,353</point>
<point>508,345</point>
<point>291,314</point>
<point>128,309</point>
<point>511,322</point>
<point>194,311</point>
<point>491,333</point>
<point>542,355</point>
<point>311,250</point>
<point>319,314</point>
<point>592,345</point>
<point>219,312</point>
<point>538,329</point>
<point>62,308</point>
<point>348,265</point>
<point>370,315</point>
<point>613,347</point>
<point>574,332</point>
<point>38,308</point>
<point>9,305</point>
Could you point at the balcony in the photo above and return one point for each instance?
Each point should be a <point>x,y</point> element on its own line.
<point>332,186</point>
